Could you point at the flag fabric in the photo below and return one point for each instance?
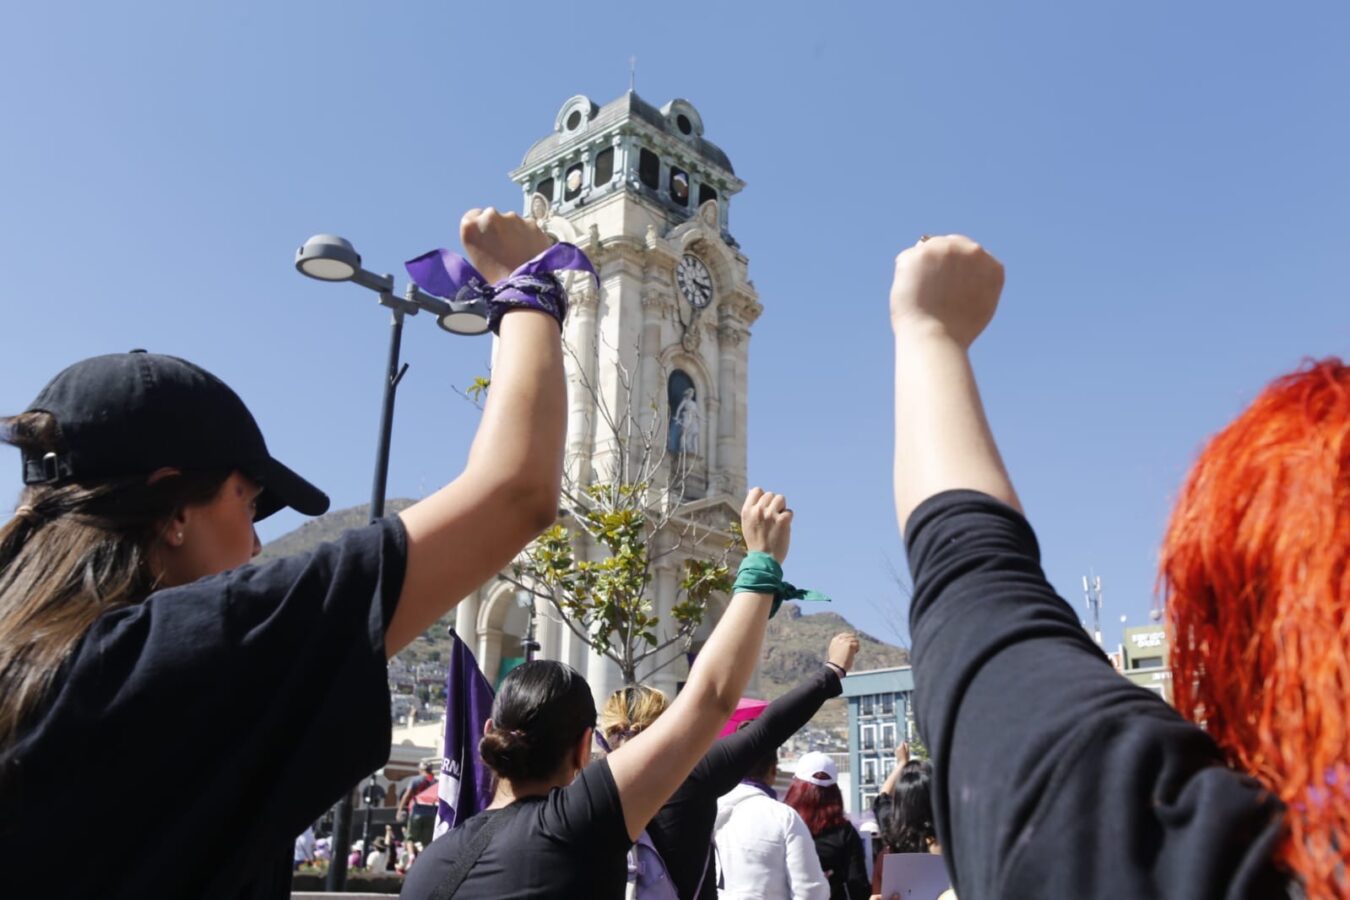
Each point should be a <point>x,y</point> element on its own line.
<point>465,786</point>
<point>747,710</point>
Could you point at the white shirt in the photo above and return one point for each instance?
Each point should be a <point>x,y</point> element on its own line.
<point>764,850</point>
<point>304,846</point>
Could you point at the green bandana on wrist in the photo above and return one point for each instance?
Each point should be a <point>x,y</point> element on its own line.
<point>760,573</point>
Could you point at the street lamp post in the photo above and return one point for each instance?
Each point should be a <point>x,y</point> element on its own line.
<point>327,257</point>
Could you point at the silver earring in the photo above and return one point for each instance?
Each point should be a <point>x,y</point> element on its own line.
<point>180,535</point>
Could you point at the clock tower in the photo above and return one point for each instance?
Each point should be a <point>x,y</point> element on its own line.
<point>666,335</point>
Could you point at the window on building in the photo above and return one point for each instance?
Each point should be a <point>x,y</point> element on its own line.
<point>682,122</point>
<point>545,187</point>
<point>604,167</point>
<point>679,186</point>
<point>572,182</point>
<point>888,704</point>
<point>706,193</point>
<point>888,736</point>
<point>869,737</point>
<point>867,799</point>
<point>649,169</point>
<point>574,120</point>
<point>868,704</point>
<point>869,771</point>
<point>1146,662</point>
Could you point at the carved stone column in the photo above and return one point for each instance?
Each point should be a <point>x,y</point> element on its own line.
<point>666,585</point>
<point>650,395</point>
<point>466,621</point>
<point>731,381</point>
<point>580,362</point>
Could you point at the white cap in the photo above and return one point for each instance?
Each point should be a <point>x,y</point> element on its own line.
<point>818,769</point>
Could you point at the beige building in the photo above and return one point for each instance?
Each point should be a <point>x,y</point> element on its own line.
<point>646,196</point>
<point>1144,659</point>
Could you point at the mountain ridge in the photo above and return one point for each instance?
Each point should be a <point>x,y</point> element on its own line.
<point>795,643</point>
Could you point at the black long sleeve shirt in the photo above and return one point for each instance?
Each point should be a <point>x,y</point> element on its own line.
<point>1054,776</point>
<point>682,831</point>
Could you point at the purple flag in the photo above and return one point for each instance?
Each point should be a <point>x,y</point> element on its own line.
<point>466,781</point>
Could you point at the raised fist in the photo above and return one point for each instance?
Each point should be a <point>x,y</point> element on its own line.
<point>766,523</point>
<point>499,243</point>
<point>843,650</point>
<point>949,283</point>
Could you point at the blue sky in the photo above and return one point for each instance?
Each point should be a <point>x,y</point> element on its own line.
<point>1167,185</point>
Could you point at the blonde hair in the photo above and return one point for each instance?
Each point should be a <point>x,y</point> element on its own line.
<point>630,711</point>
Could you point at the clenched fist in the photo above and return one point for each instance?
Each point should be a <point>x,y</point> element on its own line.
<point>843,650</point>
<point>950,283</point>
<point>499,243</point>
<point>766,523</point>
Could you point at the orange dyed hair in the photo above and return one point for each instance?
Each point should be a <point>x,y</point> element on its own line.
<point>1256,581</point>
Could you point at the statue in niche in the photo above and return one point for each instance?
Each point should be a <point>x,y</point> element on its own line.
<point>686,417</point>
<point>539,209</point>
<point>708,212</point>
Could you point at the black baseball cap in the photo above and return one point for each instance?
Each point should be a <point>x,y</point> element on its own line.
<point>133,413</point>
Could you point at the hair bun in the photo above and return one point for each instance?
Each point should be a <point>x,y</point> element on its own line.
<point>507,751</point>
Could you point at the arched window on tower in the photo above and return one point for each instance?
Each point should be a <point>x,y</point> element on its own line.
<point>706,193</point>
<point>603,167</point>
<point>649,169</point>
<point>679,186</point>
<point>545,187</point>
<point>572,182</point>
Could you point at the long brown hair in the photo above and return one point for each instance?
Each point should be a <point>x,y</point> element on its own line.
<point>71,553</point>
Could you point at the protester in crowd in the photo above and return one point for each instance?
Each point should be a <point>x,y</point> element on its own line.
<point>904,811</point>
<point>418,805</point>
<point>378,858</point>
<point>764,849</point>
<point>356,859</point>
<point>304,849</point>
<point>1090,767</point>
<point>814,793</point>
<point>682,831</point>
<point>129,623</point>
<point>551,832</point>
<point>407,855</point>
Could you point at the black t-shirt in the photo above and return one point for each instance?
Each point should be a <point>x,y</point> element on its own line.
<point>840,850</point>
<point>1054,776</point>
<point>260,694</point>
<point>682,830</point>
<point>571,843</point>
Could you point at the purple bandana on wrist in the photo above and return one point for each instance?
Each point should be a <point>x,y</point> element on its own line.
<point>532,286</point>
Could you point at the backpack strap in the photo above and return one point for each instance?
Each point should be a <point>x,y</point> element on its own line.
<point>466,861</point>
<point>707,861</point>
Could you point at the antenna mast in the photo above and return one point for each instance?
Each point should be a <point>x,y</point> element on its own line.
<point>1092,593</point>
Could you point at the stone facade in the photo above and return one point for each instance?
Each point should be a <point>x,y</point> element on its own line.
<point>667,331</point>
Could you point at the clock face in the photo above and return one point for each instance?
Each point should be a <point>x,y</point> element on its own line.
<point>694,281</point>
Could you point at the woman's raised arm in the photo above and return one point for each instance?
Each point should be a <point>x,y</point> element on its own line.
<point>463,534</point>
<point>944,294</point>
<point>648,768</point>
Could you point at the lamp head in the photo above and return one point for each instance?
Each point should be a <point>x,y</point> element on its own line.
<point>466,317</point>
<point>328,257</point>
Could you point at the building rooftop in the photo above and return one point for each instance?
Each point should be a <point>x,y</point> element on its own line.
<point>672,119</point>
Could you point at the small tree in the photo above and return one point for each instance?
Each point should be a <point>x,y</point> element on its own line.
<point>631,509</point>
